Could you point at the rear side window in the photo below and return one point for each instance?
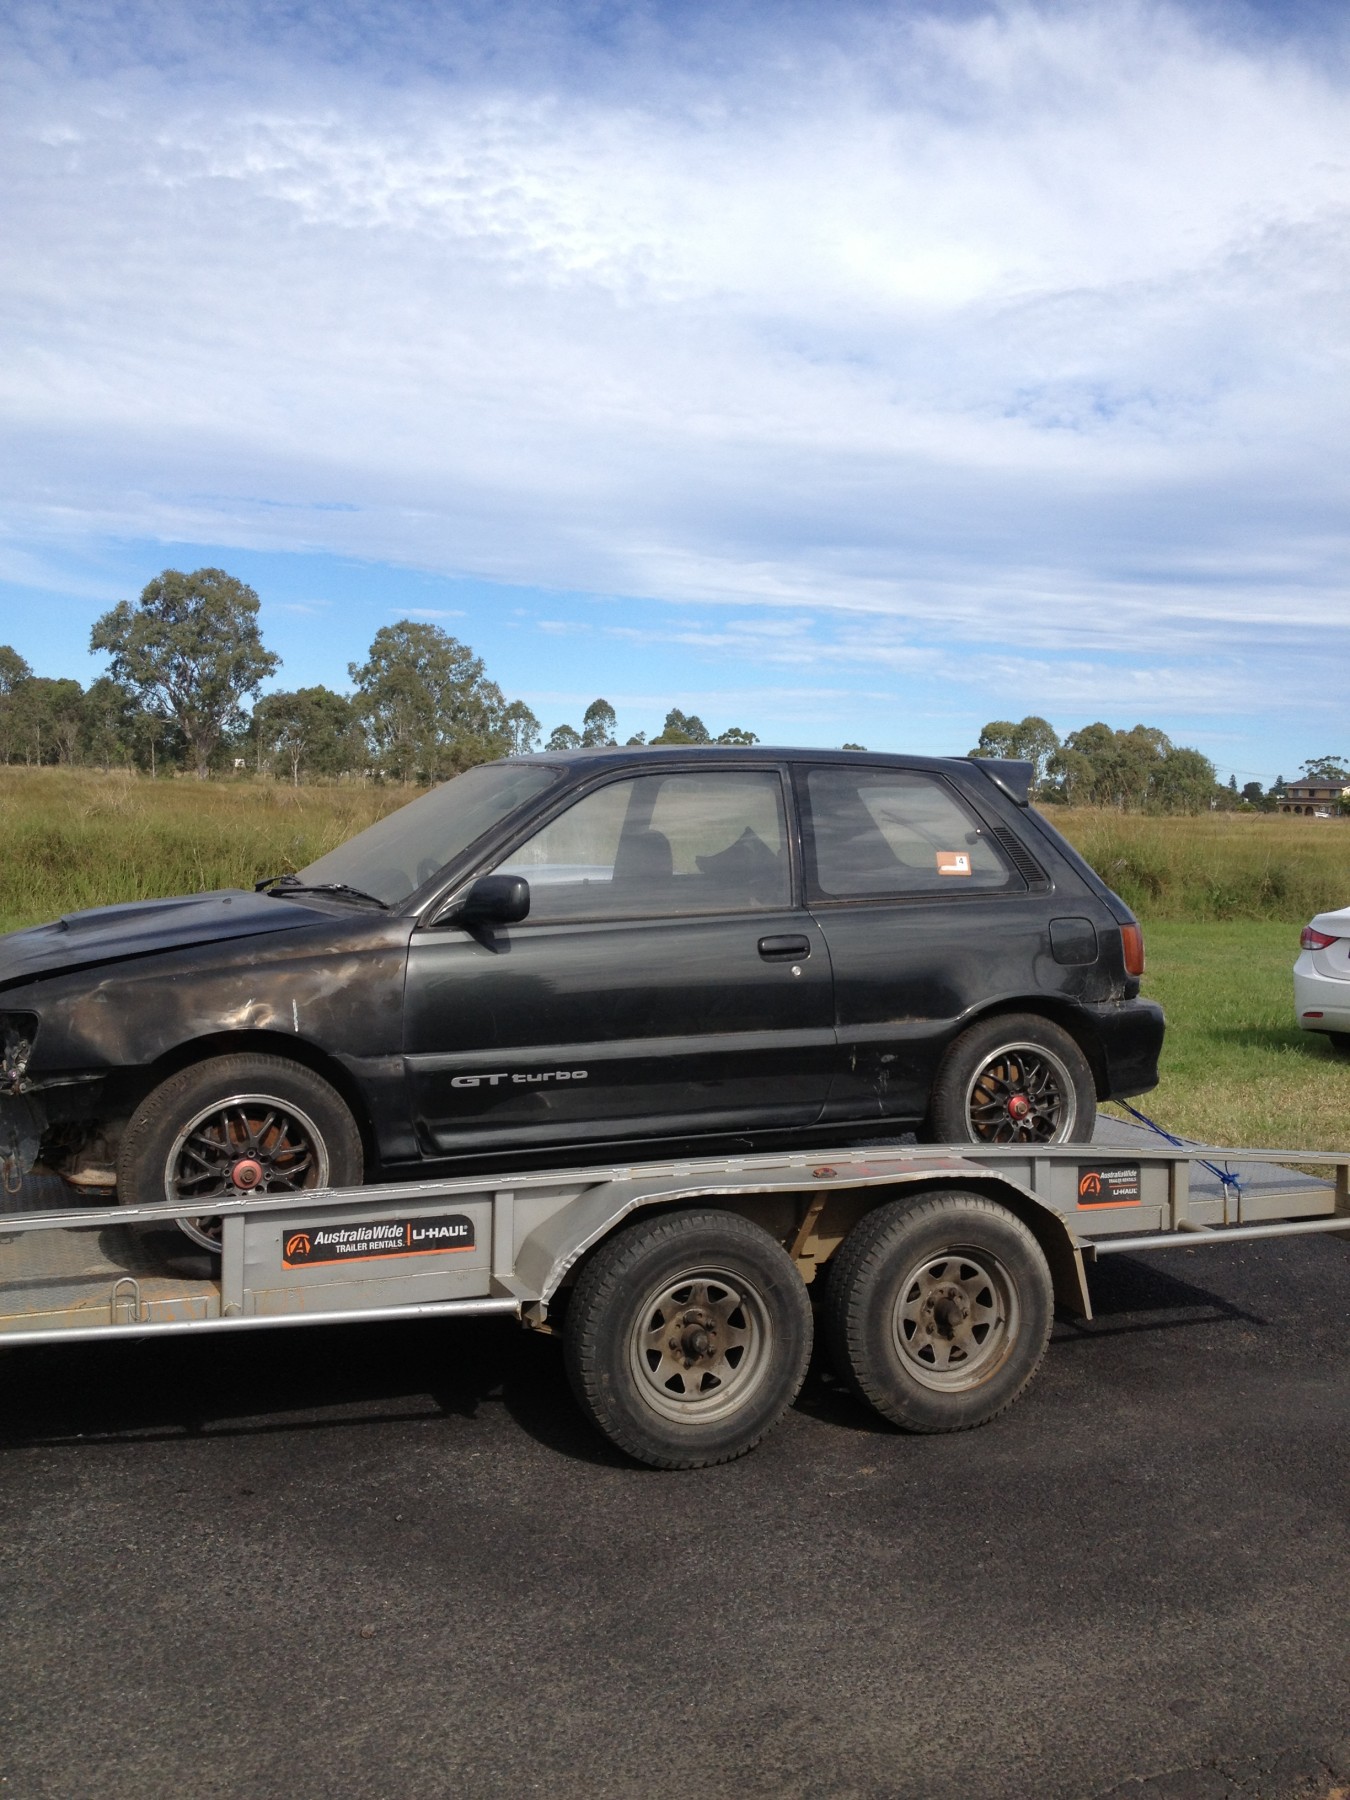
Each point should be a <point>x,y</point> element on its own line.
<point>875,832</point>
<point>661,846</point>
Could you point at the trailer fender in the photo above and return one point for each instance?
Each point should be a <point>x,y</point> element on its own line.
<point>558,1242</point>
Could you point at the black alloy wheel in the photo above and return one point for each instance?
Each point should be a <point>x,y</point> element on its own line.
<point>1014,1079</point>
<point>247,1124</point>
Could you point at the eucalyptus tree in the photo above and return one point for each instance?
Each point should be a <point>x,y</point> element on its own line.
<point>427,703</point>
<point>107,729</point>
<point>14,671</point>
<point>191,650</point>
<point>683,728</point>
<point>522,728</point>
<point>599,725</point>
<point>312,729</point>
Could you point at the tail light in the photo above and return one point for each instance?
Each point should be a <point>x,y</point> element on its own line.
<point>1315,940</point>
<point>1132,943</point>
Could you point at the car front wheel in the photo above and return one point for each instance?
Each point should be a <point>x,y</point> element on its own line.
<point>1014,1079</point>
<point>235,1125</point>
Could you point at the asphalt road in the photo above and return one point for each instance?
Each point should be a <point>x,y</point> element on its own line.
<point>391,1560</point>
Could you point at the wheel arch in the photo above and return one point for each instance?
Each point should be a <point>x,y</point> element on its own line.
<point>1050,1229</point>
<point>1059,1012</point>
<point>553,1253</point>
<point>136,1084</point>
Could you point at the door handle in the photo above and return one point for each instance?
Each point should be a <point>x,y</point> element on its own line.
<point>784,949</point>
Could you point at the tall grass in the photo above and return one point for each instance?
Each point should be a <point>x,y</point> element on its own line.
<point>71,838</point>
<point>1220,866</point>
<point>1235,1067</point>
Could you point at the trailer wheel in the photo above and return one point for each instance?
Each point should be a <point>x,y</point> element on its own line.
<point>1014,1079</point>
<point>244,1124</point>
<point>687,1338</point>
<point>939,1310</point>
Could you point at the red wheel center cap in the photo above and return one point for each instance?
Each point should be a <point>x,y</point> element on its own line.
<point>1018,1106</point>
<point>246,1173</point>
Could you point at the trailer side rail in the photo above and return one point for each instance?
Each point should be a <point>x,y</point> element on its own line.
<point>519,1238</point>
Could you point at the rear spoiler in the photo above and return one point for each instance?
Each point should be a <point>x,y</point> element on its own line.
<point>1014,778</point>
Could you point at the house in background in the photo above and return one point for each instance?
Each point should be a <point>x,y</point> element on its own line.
<point>1320,798</point>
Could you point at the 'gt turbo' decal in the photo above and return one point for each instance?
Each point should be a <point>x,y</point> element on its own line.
<point>473,1081</point>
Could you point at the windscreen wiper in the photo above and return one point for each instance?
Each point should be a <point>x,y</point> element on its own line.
<point>289,884</point>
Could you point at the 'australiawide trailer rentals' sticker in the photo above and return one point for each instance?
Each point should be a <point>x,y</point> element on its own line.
<point>1108,1185</point>
<point>385,1237</point>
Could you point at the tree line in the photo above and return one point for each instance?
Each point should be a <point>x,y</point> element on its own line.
<point>1140,770</point>
<point>183,691</point>
<point>186,660</point>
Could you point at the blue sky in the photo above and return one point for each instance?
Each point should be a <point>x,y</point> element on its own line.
<point>842,372</point>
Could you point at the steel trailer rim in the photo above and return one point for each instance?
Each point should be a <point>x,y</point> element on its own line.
<point>700,1345</point>
<point>262,1145</point>
<point>1021,1093</point>
<point>955,1319</point>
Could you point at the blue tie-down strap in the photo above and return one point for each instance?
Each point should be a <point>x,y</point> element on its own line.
<point>1232,1183</point>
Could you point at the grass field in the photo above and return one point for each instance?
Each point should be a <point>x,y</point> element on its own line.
<point>1235,1067</point>
<point>1218,866</point>
<point>75,837</point>
<point>1222,898</point>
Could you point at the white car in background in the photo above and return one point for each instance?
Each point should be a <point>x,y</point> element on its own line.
<point>1322,977</point>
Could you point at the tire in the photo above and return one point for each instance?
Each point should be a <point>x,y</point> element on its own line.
<point>1340,1041</point>
<point>237,1125</point>
<point>938,1310</point>
<point>687,1338</point>
<point>1014,1079</point>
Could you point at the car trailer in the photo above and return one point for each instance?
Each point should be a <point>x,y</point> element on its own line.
<point>681,1289</point>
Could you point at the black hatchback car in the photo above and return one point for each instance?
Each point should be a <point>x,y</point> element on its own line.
<point>603,954</point>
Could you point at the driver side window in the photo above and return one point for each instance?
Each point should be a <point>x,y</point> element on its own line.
<point>661,846</point>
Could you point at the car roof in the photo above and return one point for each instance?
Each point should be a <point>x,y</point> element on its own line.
<point>750,752</point>
<point>1013,777</point>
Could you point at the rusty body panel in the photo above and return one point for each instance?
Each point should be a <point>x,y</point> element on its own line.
<point>320,985</point>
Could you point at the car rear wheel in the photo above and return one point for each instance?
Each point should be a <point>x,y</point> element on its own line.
<point>938,1310</point>
<point>235,1125</point>
<point>687,1338</point>
<point>1014,1079</point>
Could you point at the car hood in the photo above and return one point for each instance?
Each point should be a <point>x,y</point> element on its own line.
<point>141,928</point>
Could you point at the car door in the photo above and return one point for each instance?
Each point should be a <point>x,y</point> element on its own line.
<point>667,982</point>
<point>925,918</point>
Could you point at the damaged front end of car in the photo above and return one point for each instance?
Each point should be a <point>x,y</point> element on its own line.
<point>21,1122</point>
<point>45,1123</point>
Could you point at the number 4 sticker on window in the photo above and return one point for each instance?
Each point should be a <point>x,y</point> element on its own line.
<point>953,862</point>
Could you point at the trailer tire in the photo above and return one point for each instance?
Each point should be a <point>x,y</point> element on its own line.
<point>312,1142</point>
<point>687,1338</point>
<point>938,1310</point>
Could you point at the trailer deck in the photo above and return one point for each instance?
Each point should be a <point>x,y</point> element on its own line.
<point>475,1245</point>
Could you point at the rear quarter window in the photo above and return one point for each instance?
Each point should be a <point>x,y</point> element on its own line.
<point>873,833</point>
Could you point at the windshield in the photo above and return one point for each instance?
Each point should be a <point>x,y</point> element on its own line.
<point>395,856</point>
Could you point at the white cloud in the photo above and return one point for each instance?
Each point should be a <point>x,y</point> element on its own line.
<point>1023,328</point>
